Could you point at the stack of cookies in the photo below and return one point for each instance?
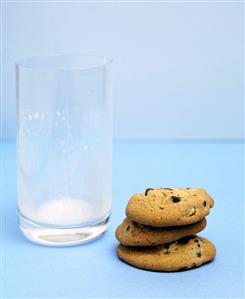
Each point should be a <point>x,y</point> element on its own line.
<point>160,230</point>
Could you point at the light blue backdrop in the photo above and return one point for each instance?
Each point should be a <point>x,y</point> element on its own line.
<point>177,66</point>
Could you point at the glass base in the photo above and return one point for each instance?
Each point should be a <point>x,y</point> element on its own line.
<point>60,236</point>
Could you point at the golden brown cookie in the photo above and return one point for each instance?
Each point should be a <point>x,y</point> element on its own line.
<point>164,207</point>
<point>130,233</point>
<point>184,254</point>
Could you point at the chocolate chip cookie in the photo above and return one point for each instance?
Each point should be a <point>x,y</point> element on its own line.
<point>163,207</point>
<point>130,233</point>
<point>184,254</point>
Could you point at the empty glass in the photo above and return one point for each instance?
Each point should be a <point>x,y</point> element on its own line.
<point>64,148</point>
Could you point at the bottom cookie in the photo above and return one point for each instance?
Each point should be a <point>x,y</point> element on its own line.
<point>186,253</point>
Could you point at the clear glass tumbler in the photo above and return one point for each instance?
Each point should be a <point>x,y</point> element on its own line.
<point>64,148</point>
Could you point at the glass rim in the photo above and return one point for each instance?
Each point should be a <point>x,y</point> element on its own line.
<point>27,63</point>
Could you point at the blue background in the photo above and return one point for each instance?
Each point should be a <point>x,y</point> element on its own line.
<point>178,66</point>
<point>94,271</point>
<point>178,74</point>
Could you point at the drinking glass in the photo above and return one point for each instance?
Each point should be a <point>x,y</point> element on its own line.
<point>64,148</point>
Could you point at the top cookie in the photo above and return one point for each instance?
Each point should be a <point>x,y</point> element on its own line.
<point>164,207</point>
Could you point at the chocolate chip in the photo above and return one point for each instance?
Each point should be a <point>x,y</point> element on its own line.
<point>147,190</point>
<point>204,203</point>
<point>175,199</point>
<point>128,228</point>
<point>198,254</point>
<point>196,240</point>
<point>198,245</point>
<point>182,269</point>
<point>193,265</point>
<point>168,189</point>
<point>185,240</point>
<point>166,249</point>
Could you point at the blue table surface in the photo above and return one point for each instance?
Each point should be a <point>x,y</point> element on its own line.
<point>94,271</point>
